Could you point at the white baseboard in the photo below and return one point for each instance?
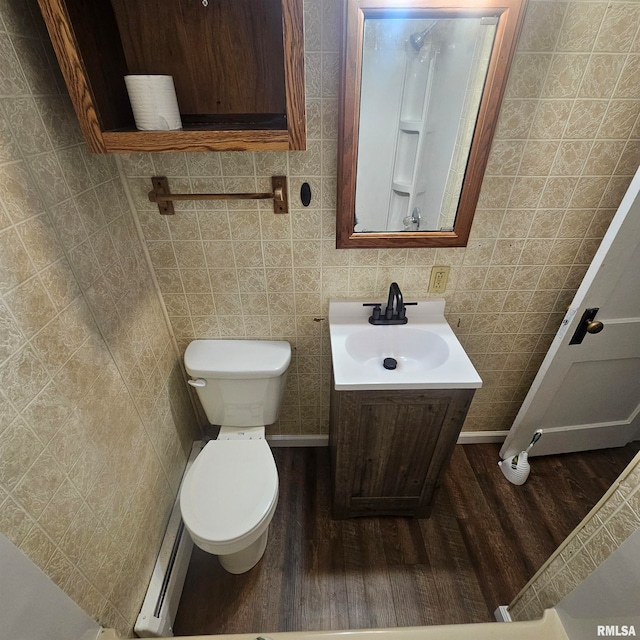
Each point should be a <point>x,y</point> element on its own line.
<point>502,614</point>
<point>320,440</point>
<point>481,437</point>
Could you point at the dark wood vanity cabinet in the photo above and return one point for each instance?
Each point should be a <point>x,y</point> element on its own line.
<point>390,448</point>
<point>237,65</point>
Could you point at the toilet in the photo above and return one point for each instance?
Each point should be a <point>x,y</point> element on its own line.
<point>229,495</point>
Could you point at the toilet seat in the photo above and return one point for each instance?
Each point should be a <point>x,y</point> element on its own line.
<point>229,495</point>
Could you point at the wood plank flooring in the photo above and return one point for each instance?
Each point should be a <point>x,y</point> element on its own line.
<point>485,539</point>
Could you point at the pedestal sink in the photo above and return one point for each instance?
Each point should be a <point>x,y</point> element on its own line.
<point>425,352</point>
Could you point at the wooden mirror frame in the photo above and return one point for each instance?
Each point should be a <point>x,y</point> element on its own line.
<point>510,14</point>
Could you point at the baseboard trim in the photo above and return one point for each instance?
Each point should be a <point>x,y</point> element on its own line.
<point>481,437</point>
<point>314,440</point>
<point>320,440</point>
<point>502,614</point>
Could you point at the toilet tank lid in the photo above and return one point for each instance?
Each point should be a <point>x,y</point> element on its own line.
<point>237,358</point>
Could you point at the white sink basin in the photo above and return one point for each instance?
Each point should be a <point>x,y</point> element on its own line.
<point>413,348</point>
<point>426,352</point>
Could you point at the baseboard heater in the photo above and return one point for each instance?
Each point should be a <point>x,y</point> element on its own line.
<point>167,580</point>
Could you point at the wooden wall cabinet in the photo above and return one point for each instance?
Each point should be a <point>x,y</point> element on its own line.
<point>238,68</point>
<point>390,448</point>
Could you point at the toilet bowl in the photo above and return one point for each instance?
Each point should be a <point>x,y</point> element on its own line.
<point>229,495</point>
<point>228,499</point>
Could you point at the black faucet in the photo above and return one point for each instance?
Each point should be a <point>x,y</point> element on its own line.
<point>395,313</point>
<point>394,301</point>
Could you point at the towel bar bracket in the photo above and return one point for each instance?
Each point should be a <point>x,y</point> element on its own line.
<point>162,196</point>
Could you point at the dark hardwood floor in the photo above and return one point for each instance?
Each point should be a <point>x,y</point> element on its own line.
<point>484,540</point>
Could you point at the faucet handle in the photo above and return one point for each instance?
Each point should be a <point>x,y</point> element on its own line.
<point>402,313</point>
<point>375,314</point>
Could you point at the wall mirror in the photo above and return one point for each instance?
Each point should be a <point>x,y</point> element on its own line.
<point>421,89</point>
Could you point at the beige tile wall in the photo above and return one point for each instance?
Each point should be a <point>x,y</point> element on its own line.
<point>567,144</point>
<point>94,420</point>
<point>608,525</point>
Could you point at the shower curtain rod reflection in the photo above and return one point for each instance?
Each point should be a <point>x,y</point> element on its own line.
<point>162,196</point>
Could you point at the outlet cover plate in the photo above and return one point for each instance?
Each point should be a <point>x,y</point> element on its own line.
<point>438,279</point>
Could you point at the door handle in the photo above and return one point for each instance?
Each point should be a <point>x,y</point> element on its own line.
<point>594,326</point>
<point>588,324</point>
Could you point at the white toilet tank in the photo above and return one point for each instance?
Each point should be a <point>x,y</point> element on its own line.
<point>240,383</point>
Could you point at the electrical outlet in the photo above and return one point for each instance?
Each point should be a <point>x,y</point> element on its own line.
<point>438,279</point>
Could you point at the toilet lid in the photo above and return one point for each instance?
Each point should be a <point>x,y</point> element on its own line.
<point>229,489</point>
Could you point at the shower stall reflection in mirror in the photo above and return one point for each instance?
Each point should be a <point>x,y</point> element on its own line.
<point>422,81</point>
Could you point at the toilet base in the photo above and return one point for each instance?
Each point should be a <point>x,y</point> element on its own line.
<point>242,561</point>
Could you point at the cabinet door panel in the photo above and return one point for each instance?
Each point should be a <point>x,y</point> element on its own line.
<point>389,449</point>
<point>395,442</point>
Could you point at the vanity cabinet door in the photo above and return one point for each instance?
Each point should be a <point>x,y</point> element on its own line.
<point>389,448</point>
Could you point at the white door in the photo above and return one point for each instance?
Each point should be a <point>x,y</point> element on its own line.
<point>587,395</point>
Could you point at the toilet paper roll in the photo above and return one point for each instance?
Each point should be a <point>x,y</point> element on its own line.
<point>154,103</point>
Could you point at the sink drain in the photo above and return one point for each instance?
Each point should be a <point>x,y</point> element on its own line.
<point>390,363</point>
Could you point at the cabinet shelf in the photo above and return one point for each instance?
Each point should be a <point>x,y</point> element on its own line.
<point>238,68</point>
<point>195,139</point>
